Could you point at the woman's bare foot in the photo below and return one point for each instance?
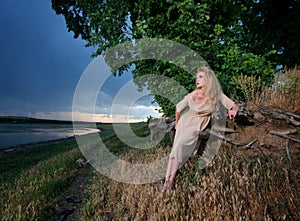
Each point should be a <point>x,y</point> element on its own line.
<point>168,185</point>
<point>165,187</point>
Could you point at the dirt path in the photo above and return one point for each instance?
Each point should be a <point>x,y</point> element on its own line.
<point>69,203</point>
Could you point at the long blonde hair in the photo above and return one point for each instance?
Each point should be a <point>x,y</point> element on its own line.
<point>212,87</point>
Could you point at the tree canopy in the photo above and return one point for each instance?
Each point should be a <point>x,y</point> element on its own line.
<point>249,37</point>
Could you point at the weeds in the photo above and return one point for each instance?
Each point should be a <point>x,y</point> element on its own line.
<point>282,94</point>
<point>286,91</point>
<point>15,163</point>
<point>30,196</point>
<point>251,87</point>
<point>235,189</point>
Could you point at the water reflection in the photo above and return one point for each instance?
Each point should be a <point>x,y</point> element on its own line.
<point>15,134</point>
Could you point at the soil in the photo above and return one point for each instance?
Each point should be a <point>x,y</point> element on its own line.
<point>69,202</point>
<point>270,145</point>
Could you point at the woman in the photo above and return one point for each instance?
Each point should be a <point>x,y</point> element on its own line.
<point>201,103</point>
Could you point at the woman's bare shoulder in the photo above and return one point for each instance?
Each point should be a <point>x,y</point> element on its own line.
<point>191,94</point>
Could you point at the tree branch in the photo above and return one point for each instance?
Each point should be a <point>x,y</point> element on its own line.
<point>280,114</point>
<point>246,145</point>
<point>287,148</point>
<point>283,135</point>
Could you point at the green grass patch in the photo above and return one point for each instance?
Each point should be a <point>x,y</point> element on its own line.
<point>11,165</point>
<point>132,134</point>
<point>31,195</point>
<point>31,180</point>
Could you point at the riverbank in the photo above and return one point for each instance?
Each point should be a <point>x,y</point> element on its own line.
<point>24,157</point>
<point>13,134</point>
<point>31,179</point>
<point>44,182</point>
<point>21,147</point>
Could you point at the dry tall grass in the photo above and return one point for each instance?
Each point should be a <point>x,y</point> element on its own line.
<point>283,94</point>
<point>233,188</point>
<point>253,184</point>
<point>286,92</point>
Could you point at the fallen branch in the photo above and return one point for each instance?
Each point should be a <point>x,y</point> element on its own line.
<point>249,144</point>
<point>280,114</point>
<point>225,129</point>
<point>294,122</point>
<point>287,148</point>
<point>246,145</point>
<point>284,132</point>
<point>285,136</point>
<point>287,113</point>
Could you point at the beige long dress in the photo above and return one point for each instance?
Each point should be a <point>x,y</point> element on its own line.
<point>196,118</point>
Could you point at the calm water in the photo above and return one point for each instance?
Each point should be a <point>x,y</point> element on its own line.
<point>14,134</point>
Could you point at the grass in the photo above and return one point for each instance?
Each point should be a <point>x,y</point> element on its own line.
<point>13,164</point>
<point>31,194</point>
<point>116,146</point>
<point>233,188</point>
<point>30,180</point>
<point>254,184</point>
<point>280,95</point>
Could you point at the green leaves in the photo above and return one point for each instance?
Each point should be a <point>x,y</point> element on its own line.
<point>228,35</point>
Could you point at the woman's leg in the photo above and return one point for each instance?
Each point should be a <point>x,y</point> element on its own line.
<point>170,173</point>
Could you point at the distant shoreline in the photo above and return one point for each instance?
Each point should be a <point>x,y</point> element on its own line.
<point>21,147</point>
<point>28,120</point>
<point>31,120</point>
<point>16,120</point>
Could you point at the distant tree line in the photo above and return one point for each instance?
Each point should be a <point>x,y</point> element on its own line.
<point>30,120</point>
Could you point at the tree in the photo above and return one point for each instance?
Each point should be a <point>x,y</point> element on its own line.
<point>272,25</point>
<point>211,28</point>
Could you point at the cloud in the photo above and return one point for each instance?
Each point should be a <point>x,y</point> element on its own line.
<point>137,111</point>
<point>123,113</point>
<point>52,115</point>
<point>40,71</point>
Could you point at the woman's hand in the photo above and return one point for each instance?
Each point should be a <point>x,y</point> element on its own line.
<point>233,111</point>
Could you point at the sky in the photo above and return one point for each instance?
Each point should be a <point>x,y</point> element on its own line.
<point>42,64</point>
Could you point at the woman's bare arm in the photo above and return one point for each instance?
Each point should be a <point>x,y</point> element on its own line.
<point>177,116</point>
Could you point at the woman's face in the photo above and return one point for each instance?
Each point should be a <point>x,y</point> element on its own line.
<point>200,79</point>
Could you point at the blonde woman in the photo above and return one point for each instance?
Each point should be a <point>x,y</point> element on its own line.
<point>201,103</point>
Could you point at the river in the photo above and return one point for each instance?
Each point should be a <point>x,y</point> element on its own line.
<point>16,134</point>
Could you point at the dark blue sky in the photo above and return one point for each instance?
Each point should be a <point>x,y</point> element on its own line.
<point>41,63</point>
